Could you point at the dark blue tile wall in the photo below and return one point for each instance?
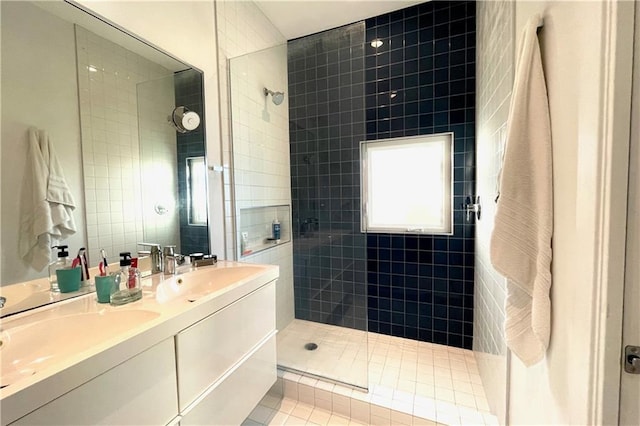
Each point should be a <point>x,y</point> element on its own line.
<point>422,81</point>
<point>188,92</point>
<point>326,112</point>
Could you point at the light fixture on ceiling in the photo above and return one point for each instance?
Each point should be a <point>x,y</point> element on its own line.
<point>393,94</point>
<point>376,43</point>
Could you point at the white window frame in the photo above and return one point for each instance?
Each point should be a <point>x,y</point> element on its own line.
<point>367,191</point>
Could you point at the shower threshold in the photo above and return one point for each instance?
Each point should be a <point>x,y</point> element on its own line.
<point>283,370</point>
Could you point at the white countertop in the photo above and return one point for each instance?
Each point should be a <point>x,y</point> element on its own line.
<point>173,308</point>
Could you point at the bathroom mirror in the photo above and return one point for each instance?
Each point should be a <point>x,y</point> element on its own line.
<point>125,121</point>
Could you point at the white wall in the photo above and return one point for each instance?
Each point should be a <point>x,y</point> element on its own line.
<point>260,154</point>
<point>630,383</point>
<point>39,88</point>
<point>559,390</point>
<point>242,28</point>
<point>494,81</point>
<point>186,30</point>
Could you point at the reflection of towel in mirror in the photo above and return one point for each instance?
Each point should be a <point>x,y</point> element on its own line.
<point>47,205</point>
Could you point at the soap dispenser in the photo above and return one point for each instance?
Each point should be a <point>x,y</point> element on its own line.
<point>275,230</point>
<point>62,262</point>
<point>128,282</point>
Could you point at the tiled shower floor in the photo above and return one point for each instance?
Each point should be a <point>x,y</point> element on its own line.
<point>341,354</point>
<point>419,379</point>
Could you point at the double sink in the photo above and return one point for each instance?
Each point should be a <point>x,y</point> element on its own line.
<point>54,337</point>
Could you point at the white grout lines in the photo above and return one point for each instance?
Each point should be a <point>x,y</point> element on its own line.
<point>410,383</point>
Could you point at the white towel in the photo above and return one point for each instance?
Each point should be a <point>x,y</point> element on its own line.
<point>521,239</point>
<point>47,204</point>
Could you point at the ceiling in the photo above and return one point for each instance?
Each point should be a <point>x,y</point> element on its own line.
<point>297,18</point>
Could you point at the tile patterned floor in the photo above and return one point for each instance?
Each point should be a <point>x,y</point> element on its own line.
<point>341,354</point>
<point>410,382</point>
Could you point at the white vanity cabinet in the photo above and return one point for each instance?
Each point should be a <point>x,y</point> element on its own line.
<point>211,369</point>
<point>231,400</point>
<point>140,391</point>
<point>227,361</point>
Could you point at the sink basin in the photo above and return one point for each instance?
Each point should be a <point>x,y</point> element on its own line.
<point>201,282</point>
<point>32,347</point>
<point>32,294</point>
<point>16,293</point>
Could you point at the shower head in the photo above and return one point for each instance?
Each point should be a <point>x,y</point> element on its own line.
<point>277,97</point>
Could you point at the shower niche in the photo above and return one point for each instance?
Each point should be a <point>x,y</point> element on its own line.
<point>256,229</point>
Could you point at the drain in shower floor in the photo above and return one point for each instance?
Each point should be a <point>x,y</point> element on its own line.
<point>311,346</point>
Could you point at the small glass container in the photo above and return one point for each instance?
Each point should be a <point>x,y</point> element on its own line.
<point>130,288</point>
<point>62,262</point>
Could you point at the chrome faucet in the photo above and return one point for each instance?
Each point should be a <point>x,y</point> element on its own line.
<point>172,260</point>
<point>157,264</point>
<point>3,300</point>
<point>169,259</point>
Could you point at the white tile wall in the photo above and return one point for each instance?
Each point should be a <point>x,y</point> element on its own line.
<point>107,79</point>
<point>259,160</point>
<point>495,67</point>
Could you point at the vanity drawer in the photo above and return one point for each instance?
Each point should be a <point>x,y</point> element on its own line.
<point>209,348</point>
<point>230,401</point>
<point>140,391</point>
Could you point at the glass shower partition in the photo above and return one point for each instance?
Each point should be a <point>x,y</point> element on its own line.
<point>323,326</point>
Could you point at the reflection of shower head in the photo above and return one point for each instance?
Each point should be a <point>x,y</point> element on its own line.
<point>278,97</point>
<point>184,120</point>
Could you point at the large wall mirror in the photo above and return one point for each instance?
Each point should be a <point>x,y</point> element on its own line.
<point>123,120</point>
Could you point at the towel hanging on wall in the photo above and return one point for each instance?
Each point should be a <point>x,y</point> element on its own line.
<point>46,205</point>
<point>521,238</point>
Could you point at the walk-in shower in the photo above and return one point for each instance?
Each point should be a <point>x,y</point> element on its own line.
<point>390,310</point>
<point>343,88</point>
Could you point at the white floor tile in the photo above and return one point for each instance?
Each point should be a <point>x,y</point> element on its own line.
<point>360,411</point>
<point>401,418</point>
<point>302,411</point>
<point>295,421</point>
<point>338,420</point>
<point>320,416</point>
<point>409,382</point>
